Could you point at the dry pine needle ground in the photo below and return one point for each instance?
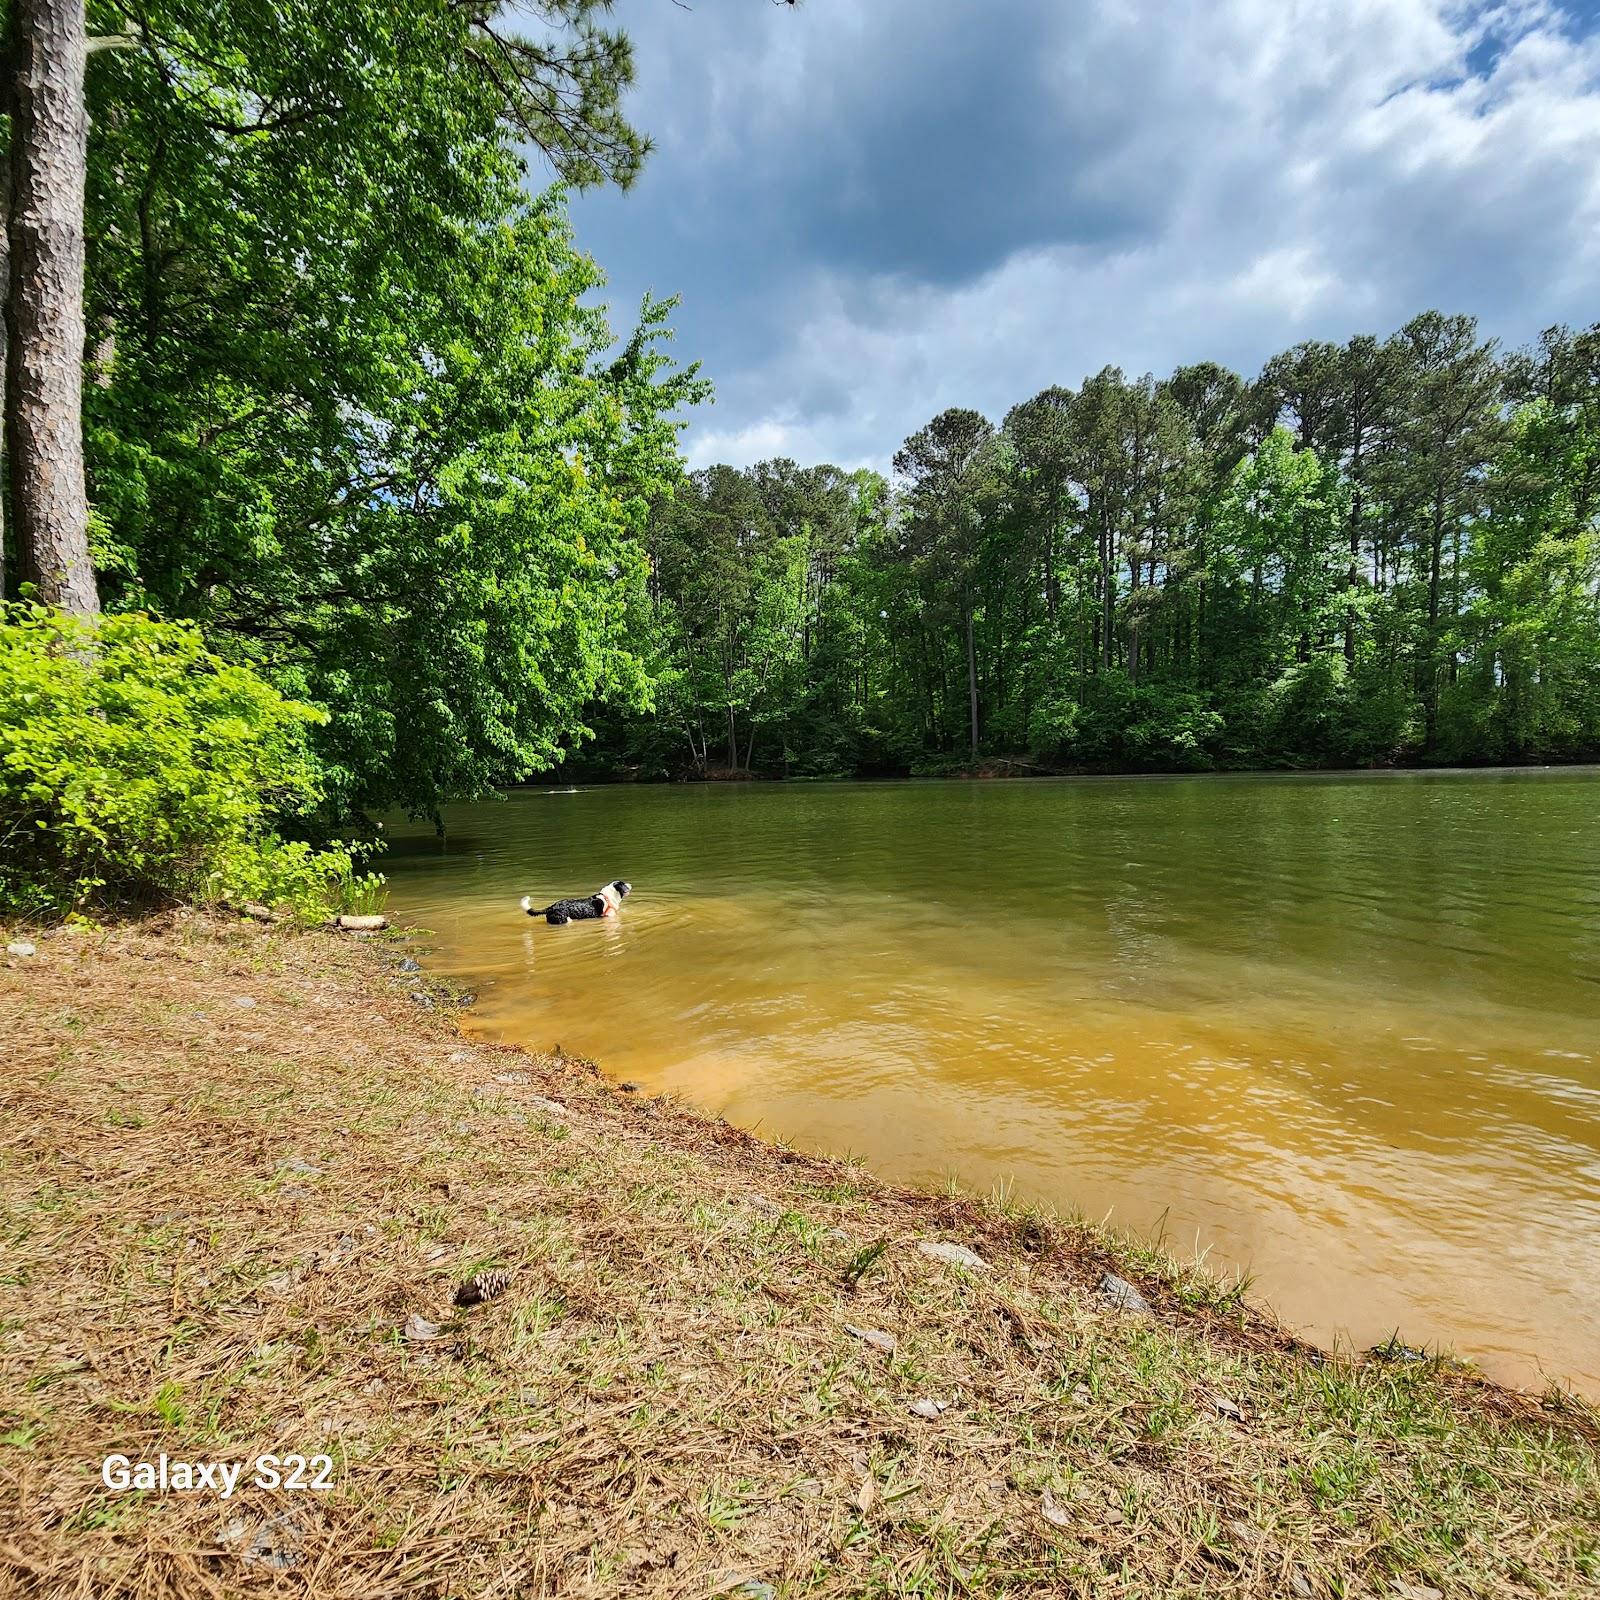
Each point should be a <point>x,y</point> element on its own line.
<point>244,1174</point>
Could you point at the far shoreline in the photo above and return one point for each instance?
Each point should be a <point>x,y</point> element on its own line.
<point>719,778</point>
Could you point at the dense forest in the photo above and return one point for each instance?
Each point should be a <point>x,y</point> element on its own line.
<point>1382,551</point>
<point>349,401</point>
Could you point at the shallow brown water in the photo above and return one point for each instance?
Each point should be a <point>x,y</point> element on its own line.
<point>1340,1031</point>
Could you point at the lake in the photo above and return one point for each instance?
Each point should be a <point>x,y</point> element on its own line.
<point>1341,1031</point>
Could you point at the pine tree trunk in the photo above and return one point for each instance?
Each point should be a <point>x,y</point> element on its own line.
<point>1052,585</point>
<point>1352,577</point>
<point>1430,703</point>
<point>972,686</point>
<point>44,304</point>
<point>1108,595</point>
<point>7,110</point>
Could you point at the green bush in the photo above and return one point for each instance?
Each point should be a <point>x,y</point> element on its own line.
<point>1055,725</point>
<point>135,766</point>
<point>1170,729</point>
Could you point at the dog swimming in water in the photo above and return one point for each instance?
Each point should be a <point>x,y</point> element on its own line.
<point>602,903</point>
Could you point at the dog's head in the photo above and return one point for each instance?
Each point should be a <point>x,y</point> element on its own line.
<point>622,886</point>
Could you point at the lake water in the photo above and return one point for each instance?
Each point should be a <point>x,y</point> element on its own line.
<point>1342,1031</point>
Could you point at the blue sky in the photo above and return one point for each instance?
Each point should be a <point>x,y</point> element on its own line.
<point>873,209</point>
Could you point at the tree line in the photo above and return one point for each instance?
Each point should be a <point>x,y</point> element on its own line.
<point>1381,551</point>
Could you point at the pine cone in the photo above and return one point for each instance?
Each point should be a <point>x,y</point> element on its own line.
<point>482,1286</point>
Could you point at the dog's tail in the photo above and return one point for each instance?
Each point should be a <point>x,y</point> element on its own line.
<point>526,902</point>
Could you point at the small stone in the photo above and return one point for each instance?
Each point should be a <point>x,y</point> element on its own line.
<point>243,1001</point>
<point>931,1409</point>
<point>754,1589</point>
<point>1082,1395</point>
<point>418,997</point>
<point>411,964</point>
<point>1299,1587</point>
<point>257,912</point>
<point>1416,1591</point>
<point>629,1087</point>
<point>300,1167</point>
<point>419,1330</point>
<point>1053,1511</point>
<point>21,947</point>
<point>956,1255</point>
<point>459,1058</point>
<point>876,1337</point>
<point>1226,1408</point>
<point>1123,1295</point>
<point>511,1077</point>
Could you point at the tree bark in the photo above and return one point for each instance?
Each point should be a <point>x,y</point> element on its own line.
<point>972,686</point>
<point>8,111</point>
<point>1353,576</point>
<point>1108,597</point>
<point>44,304</point>
<point>1430,702</point>
<point>1052,584</point>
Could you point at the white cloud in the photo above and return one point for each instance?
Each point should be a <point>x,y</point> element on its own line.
<point>1288,281</point>
<point>757,441</point>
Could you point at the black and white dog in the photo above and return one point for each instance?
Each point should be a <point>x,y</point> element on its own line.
<point>602,903</point>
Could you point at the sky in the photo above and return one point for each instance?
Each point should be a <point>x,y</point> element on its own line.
<point>875,209</point>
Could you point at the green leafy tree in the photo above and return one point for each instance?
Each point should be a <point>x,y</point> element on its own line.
<point>1444,442</point>
<point>1530,684</point>
<point>352,407</point>
<point>952,486</point>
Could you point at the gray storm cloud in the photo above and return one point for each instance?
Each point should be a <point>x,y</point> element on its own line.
<point>875,209</point>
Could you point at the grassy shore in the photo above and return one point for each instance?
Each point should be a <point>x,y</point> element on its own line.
<point>244,1171</point>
